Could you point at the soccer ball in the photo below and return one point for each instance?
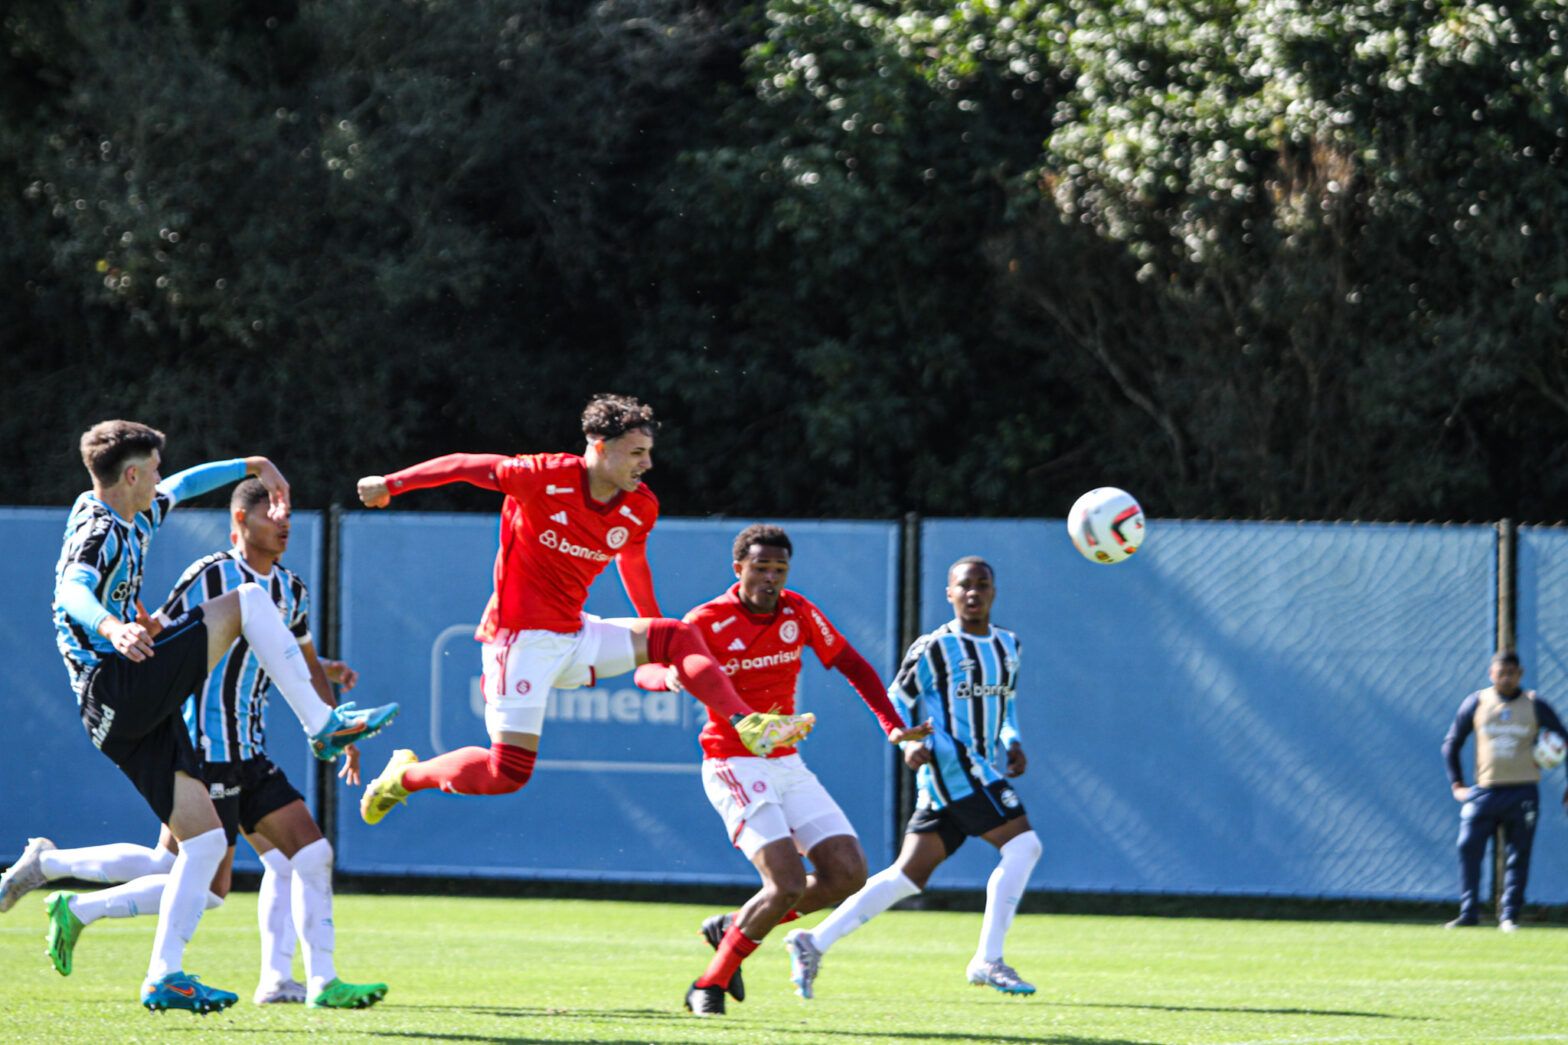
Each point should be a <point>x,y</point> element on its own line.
<point>1106,525</point>
<point>1549,749</point>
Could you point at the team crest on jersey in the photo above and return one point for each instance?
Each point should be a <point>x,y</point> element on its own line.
<point>616,537</point>
<point>789,631</point>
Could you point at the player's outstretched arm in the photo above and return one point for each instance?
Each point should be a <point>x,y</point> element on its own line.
<point>202,478</point>
<point>637,578</point>
<point>377,491</point>
<point>864,678</point>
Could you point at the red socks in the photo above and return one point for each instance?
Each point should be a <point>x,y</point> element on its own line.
<point>676,642</point>
<point>732,951</point>
<point>501,770</point>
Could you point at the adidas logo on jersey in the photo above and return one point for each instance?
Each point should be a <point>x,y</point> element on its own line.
<point>559,517</point>
<point>737,644</point>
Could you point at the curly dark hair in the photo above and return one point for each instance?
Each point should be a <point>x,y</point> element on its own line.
<point>609,416</point>
<point>763,534</point>
<point>108,445</point>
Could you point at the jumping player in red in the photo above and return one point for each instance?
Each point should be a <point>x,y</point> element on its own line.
<point>565,517</point>
<point>773,806</point>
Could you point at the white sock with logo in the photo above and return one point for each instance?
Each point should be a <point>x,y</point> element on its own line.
<point>184,899</point>
<point>1003,891</point>
<point>280,655</point>
<point>115,862</point>
<point>881,891</point>
<point>313,911</point>
<point>137,897</point>
<point>274,913</point>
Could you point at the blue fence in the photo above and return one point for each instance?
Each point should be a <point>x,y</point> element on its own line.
<point>1243,708</point>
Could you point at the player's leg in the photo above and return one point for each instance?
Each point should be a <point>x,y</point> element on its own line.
<point>283,820</point>
<point>1518,839</point>
<point>1476,826</point>
<point>275,920</point>
<point>922,852</point>
<point>662,640</point>
<point>1019,848</point>
<point>41,863</point>
<point>249,611</point>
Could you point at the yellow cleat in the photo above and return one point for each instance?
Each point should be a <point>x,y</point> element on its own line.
<point>763,733</point>
<point>387,790</point>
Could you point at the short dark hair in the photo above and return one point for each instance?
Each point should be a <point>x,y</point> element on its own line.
<point>247,495</point>
<point>107,445</point>
<point>610,416</point>
<point>761,533</point>
<point>972,560</point>
<point>1506,656</point>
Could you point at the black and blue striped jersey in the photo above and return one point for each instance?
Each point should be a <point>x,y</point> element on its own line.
<point>966,685</point>
<point>227,717</point>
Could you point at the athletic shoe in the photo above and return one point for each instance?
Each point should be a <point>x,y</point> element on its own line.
<point>64,928</point>
<point>705,1001</point>
<point>805,960</point>
<point>1000,975</point>
<point>180,990</point>
<point>1508,925</point>
<point>25,875</point>
<point>387,790</point>
<point>340,995</point>
<point>1462,923</point>
<point>279,992</point>
<point>762,733</point>
<point>713,930</point>
<point>349,725</point>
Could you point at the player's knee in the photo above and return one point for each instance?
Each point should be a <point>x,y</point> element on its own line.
<point>510,767</point>
<point>1024,848</point>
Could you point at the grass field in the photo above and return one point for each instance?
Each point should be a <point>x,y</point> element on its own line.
<point>497,970</point>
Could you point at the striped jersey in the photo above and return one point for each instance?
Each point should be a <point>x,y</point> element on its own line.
<point>106,553</point>
<point>227,717</point>
<point>965,684</point>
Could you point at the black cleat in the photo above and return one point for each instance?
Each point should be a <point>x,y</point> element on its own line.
<point>705,1001</point>
<point>713,930</point>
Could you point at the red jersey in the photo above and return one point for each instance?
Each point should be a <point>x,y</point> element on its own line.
<point>555,540</point>
<point>761,655</point>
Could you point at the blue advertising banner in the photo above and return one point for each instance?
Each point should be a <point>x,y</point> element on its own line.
<point>54,782</point>
<point>616,793</point>
<point>1241,707</point>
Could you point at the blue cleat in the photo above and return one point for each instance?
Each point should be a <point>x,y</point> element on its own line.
<point>180,990</point>
<point>349,725</point>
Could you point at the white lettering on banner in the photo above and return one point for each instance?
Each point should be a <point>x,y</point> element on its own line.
<point>772,660</point>
<point>551,539</point>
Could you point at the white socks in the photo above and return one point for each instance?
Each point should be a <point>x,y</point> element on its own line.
<point>116,862</point>
<point>281,656</point>
<point>274,904</point>
<point>881,891</point>
<point>139,896</point>
<point>313,911</point>
<point>184,898</point>
<point>1003,891</point>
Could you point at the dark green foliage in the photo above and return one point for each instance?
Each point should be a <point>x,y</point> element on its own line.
<point>1285,259</point>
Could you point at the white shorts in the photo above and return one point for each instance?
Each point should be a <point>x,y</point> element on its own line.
<point>521,667</point>
<point>765,799</point>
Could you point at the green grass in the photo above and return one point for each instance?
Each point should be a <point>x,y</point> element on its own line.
<point>503,970</point>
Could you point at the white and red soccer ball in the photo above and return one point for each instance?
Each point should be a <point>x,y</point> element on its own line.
<point>1550,748</point>
<point>1106,525</point>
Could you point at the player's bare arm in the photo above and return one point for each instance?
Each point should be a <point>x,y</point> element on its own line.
<point>910,733</point>
<point>277,487</point>
<point>916,754</point>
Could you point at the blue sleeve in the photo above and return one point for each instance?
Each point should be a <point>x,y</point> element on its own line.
<point>1458,733</point>
<point>1548,719</point>
<point>75,595</point>
<point>193,482</point>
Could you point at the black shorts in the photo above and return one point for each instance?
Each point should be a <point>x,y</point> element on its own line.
<point>969,817</point>
<point>246,792</point>
<point>131,710</point>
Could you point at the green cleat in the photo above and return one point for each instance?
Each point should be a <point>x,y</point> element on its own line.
<point>340,995</point>
<point>64,928</point>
